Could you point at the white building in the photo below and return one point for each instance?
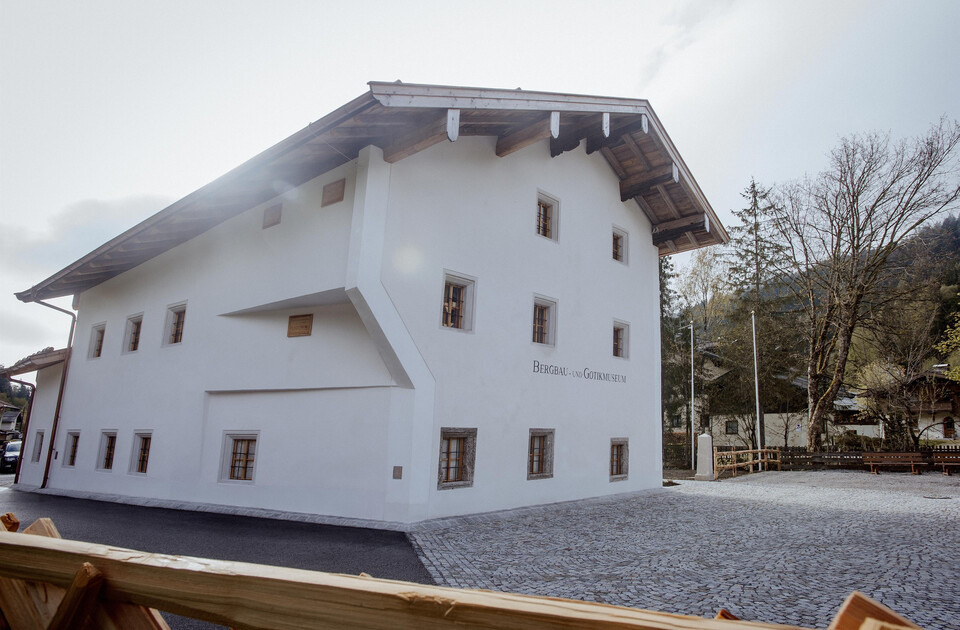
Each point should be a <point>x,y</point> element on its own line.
<point>433,301</point>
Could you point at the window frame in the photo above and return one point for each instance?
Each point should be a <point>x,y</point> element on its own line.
<point>108,447</point>
<point>734,424</point>
<point>546,456</point>
<point>137,454</point>
<point>71,447</point>
<point>619,465</point>
<point>624,237</point>
<point>38,447</point>
<point>228,452</point>
<point>98,334</point>
<point>624,341</point>
<point>468,300</point>
<point>549,336</point>
<point>175,324</point>
<point>467,460</point>
<point>552,205</point>
<point>133,332</point>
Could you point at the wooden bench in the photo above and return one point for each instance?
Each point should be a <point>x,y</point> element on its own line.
<point>876,460</point>
<point>946,459</point>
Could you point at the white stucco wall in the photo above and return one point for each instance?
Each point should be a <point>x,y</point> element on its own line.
<point>41,419</point>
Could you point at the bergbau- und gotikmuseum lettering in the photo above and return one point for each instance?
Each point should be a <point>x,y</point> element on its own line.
<point>585,373</point>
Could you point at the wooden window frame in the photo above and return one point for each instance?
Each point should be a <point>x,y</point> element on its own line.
<point>619,461</point>
<point>133,333</point>
<point>239,466</point>
<point>140,457</point>
<point>175,324</point>
<point>620,253</point>
<point>458,318</point>
<point>540,465</point>
<point>621,339</point>
<point>71,448</point>
<point>731,423</point>
<point>108,450</point>
<point>548,217</point>
<point>544,323</point>
<point>97,335</point>
<point>38,447</point>
<point>466,441</point>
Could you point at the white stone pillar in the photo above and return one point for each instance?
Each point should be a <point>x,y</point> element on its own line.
<point>704,458</point>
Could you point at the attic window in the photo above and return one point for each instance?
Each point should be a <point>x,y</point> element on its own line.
<point>333,192</point>
<point>300,325</point>
<point>271,216</point>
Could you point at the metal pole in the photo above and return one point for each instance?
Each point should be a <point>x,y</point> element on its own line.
<point>693,411</point>
<point>756,379</point>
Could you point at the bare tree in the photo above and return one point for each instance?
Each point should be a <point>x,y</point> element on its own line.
<point>841,229</point>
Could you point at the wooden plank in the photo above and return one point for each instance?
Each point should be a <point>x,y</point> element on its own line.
<point>423,137</point>
<point>10,522</point>
<point>43,527</point>
<point>251,596</point>
<point>76,608</point>
<point>858,608</point>
<point>617,134</point>
<point>547,126</point>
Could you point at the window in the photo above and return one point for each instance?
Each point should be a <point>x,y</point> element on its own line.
<point>108,446</point>
<point>96,341</point>
<point>131,337</point>
<point>272,215</point>
<point>457,302</point>
<point>733,428</point>
<point>540,454</point>
<point>949,429</point>
<point>141,452</point>
<point>239,456</point>
<point>176,315</point>
<point>619,245</point>
<point>38,447</point>
<point>73,441</point>
<point>458,449</point>
<point>547,215</point>
<point>621,339</point>
<point>619,458</point>
<point>544,321</point>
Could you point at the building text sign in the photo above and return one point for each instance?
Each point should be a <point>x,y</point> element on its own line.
<point>585,373</point>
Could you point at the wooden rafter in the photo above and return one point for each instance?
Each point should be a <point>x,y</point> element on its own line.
<point>570,138</point>
<point>616,135</point>
<point>444,126</point>
<point>547,126</point>
<point>639,184</point>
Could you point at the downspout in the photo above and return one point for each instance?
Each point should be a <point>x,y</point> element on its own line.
<point>63,382</point>
<point>26,424</point>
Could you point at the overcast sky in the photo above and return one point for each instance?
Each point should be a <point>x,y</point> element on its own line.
<point>111,110</point>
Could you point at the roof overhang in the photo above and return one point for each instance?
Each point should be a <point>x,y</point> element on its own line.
<point>403,119</point>
<point>34,362</point>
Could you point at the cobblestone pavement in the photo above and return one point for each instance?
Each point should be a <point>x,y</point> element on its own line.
<point>778,547</point>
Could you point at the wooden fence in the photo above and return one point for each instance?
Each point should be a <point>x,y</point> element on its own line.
<point>734,459</point>
<point>50,584</point>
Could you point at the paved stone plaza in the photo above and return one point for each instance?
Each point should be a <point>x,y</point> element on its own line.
<point>779,547</point>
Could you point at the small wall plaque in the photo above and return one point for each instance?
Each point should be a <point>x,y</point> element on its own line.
<point>300,325</point>
<point>333,192</point>
<point>271,216</point>
<point>398,472</point>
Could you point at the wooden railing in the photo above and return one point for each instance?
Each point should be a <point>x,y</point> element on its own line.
<point>48,583</point>
<point>762,458</point>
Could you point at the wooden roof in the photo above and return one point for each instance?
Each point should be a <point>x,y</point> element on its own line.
<point>36,361</point>
<point>402,119</point>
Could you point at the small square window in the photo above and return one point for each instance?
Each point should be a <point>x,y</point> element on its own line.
<point>239,456</point>
<point>108,447</point>
<point>72,445</point>
<point>141,452</point>
<point>540,454</point>
<point>548,214</point>
<point>37,447</point>
<point>458,300</point>
<point>458,449</point>
<point>272,215</point>
<point>619,458</point>
<point>96,341</point>
<point>131,336</point>
<point>619,245</point>
<point>733,427</point>
<point>544,321</point>
<point>621,339</point>
<point>300,325</point>
<point>176,317</point>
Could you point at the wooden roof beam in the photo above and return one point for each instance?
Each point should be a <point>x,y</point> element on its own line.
<point>639,184</point>
<point>671,230</point>
<point>668,201</point>
<point>595,143</point>
<point>571,140</point>
<point>545,127</point>
<point>445,126</point>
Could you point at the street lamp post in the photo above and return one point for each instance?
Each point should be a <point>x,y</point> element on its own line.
<point>756,378</point>
<point>693,410</point>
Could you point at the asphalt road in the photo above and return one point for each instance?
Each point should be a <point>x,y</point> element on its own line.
<point>329,548</point>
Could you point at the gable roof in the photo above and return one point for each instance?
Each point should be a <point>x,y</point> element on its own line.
<point>36,361</point>
<point>404,118</point>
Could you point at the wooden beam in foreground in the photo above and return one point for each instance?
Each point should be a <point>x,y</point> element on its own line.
<point>244,595</point>
<point>445,126</point>
<point>858,609</point>
<point>545,127</point>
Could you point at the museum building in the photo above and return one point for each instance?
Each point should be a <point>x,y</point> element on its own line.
<point>433,301</point>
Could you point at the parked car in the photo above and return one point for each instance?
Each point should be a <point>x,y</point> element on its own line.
<point>11,453</point>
